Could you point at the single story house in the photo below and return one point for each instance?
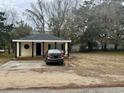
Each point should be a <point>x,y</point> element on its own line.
<point>37,45</point>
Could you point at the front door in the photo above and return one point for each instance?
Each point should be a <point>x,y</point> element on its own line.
<point>38,49</point>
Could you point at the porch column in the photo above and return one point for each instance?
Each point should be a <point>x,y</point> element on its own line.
<point>43,50</point>
<point>15,49</point>
<point>66,48</point>
<point>32,49</point>
<point>55,44</point>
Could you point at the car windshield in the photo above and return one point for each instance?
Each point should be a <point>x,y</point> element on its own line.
<point>54,51</point>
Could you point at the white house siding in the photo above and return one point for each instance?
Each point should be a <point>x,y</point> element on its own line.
<point>26,52</point>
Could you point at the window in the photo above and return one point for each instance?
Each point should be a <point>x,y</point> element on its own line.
<point>62,47</point>
<point>49,46</point>
<point>26,46</point>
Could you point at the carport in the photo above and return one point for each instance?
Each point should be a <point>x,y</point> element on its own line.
<point>38,44</point>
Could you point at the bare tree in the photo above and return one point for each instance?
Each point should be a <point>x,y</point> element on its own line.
<point>12,16</point>
<point>61,15</point>
<point>51,15</point>
<point>37,14</point>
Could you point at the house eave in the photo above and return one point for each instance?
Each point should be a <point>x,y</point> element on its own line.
<point>41,40</point>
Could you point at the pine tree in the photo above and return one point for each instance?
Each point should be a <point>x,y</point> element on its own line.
<point>5,30</point>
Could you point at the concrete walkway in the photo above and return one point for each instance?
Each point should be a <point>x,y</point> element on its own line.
<point>30,64</point>
<point>13,65</point>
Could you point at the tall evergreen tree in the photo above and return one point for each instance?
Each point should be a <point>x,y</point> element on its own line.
<point>5,30</point>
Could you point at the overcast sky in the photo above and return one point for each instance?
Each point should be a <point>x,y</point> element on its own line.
<point>19,5</point>
<point>16,4</point>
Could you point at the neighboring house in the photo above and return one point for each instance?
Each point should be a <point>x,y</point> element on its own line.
<point>38,44</point>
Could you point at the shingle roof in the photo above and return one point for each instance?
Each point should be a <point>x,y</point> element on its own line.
<point>40,37</point>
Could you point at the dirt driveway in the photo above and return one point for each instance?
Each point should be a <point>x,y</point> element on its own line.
<point>25,74</point>
<point>84,69</point>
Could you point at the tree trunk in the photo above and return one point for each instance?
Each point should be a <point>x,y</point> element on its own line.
<point>8,49</point>
<point>90,47</point>
<point>102,47</point>
<point>116,46</point>
<point>105,47</point>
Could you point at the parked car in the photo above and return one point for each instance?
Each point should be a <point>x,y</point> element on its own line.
<point>54,55</point>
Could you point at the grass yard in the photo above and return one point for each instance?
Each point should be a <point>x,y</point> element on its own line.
<point>105,66</point>
<point>4,57</point>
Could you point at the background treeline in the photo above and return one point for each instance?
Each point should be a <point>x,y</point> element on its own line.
<point>92,24</point>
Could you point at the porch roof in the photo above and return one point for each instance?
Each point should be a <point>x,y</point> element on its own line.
<point>41,38</point>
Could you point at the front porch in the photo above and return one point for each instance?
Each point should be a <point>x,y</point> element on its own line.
<point>38,49</point>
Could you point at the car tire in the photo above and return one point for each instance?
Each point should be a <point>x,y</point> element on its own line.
<point>61,63</point>
<point>46,63</point>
